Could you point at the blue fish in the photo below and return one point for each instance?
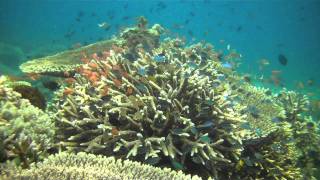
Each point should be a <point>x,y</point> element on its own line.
<point>227,65</point>
<point>192,65</point>
<point>142,71</point>
<point>159,58</point>
<point>194,130</point>
<point>205,139</point>
<point>258,132</point>
<point>209,102</point>
<point>142,87</point>
<point>245,125</point>
<point>276,120</point>
<point>206,124</point>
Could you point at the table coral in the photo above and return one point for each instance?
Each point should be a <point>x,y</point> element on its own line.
<point>89,166</point>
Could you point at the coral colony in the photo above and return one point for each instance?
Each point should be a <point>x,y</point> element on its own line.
<point>134,106</point>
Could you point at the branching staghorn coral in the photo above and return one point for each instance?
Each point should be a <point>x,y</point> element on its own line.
<point>89,166</point>
<point>307,140</point>
<point>26,132</point>
<point>168,107</point>
<point>305,131</point>
<point>294,104</point>
<point>263,113</point>
<point>273,156</point>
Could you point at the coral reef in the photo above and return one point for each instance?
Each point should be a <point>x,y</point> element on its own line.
<point>269,150</point>
<point>160,109</point>
<point>26,132</point>
<point>63,62</point>
<point>66,62</point>
<point>273,156</point>
<point>262,111</point>
<point>159,103</point>
<point>305,131</point>
<point>26,90</point>
<point>89,166</point>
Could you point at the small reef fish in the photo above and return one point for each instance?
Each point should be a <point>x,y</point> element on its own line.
<point>263,63</point>
<point>310,82</point>
<point>104,26</point>
<point>247,78</point>
<point>51,85</point>
<point>142,71</point>
<point>275,77</point>
<point>159,58</point>
<point>282,59</point>
<point>228,47</point>
<point>227,65</point>
<point>300,85</point>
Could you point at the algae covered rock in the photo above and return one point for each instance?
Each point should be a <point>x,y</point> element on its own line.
<point>89,166</point>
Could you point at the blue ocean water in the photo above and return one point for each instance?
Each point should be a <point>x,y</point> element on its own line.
<point>256,29</point>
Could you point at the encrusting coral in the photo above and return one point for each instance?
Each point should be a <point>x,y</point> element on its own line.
<point>89,166</point>
<point>168,108</point>
<point>26,132</point>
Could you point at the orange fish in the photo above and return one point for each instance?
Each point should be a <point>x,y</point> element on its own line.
<point>275,72</point>
<point>105,54</point>
<point>94,77</point>
<point>95,56</point>
<point>104,91</point>
<point>300,85</point>
<point>114,131</point>
<point>68,91</point>
<point>76,45</point>
<point>129,91</point>
<point>84,60</point>
<point>33,76</point>
<point>66,74</point>
<point>117,82</point>
<point>70,80</point>
<point>93,65</point>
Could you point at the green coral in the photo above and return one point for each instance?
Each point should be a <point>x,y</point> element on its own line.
<point>169,114</point>
<point>26,132</point>
<point>89,166</point>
